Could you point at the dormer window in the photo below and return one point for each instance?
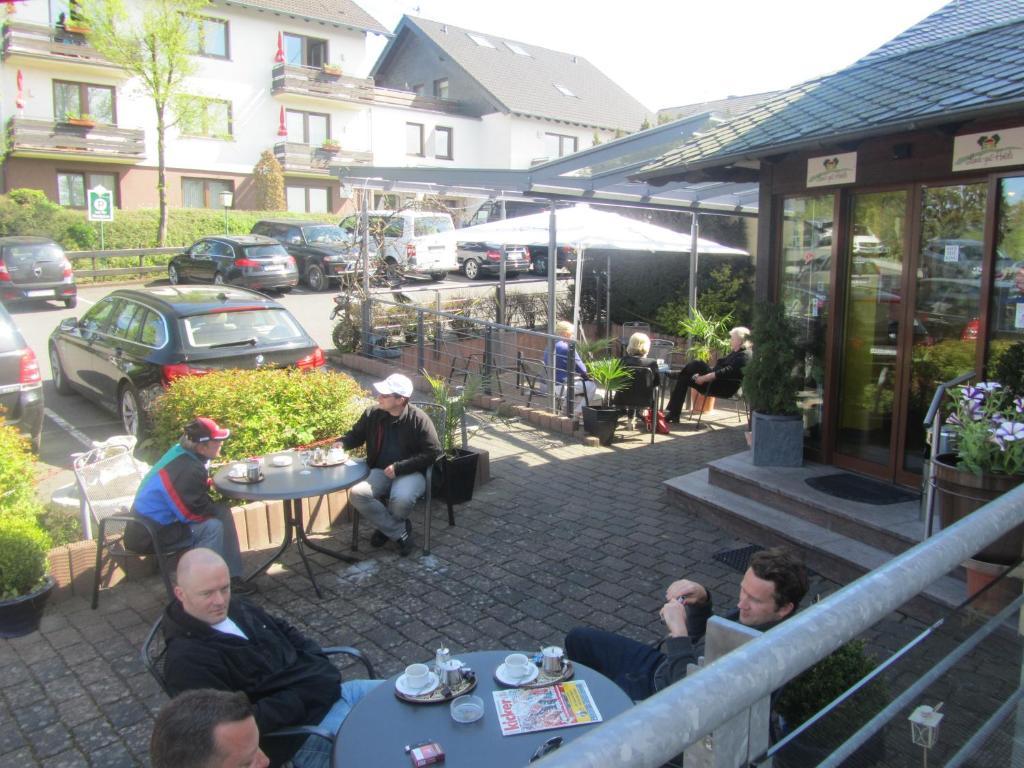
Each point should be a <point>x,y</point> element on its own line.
<point>564,90</point>
<point>480,40</point>
<point>518,50</point>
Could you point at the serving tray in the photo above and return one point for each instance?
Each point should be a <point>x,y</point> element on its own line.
<point>439,694</point>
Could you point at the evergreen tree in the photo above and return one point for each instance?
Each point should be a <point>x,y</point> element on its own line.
<point>268,181</point>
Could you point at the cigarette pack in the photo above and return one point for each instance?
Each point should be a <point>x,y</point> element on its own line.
<point>426,754</point>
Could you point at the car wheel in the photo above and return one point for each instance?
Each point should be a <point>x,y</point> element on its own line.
<point>128,410</point>
<point>71,302</point>
<point>511,275</point>
<point>316,279</point>
<point>438,276</point>
<point>218,279</point>
<point>472,269</point>
<point>60,381</point>
<point>284,290</point>
<point>172,275</point>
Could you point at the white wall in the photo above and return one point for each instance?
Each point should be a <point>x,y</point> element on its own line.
<point>388,126</point>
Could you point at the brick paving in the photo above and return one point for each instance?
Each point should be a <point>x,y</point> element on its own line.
<point>563,534</point>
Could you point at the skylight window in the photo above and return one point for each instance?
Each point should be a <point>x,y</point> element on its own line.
<point>480,40</point>
<point>563,90</point>
<point>517,49</point>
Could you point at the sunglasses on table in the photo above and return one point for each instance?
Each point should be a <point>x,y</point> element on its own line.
<point>548,746</point>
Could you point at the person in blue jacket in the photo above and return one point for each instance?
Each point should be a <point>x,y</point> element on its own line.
<point>176,495</point>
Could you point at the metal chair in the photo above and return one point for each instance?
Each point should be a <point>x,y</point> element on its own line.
<point>533,377</point>
<point>154,653</point>
<point>628,329</point>
<point>643,392</point>
<point>662,349</point>
<point>108,477</point>
<point>724,389</point>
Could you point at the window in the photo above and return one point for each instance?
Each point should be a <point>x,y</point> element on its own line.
<point>557,145</point>
<point>441,88</point>
<point>303,51</point>
<point>311,128</point>
<point>71,186</point>
<point>203,193</point>
<point>72,99</point>
<point>480,40</point>
<point>308,199</point>
<point>210,118</point>
<point>154,330</point>
<point>564,90</point>
<point>517,49</point>
<point>210,37</point>
<point>443,143</point>
<point>414,139</point>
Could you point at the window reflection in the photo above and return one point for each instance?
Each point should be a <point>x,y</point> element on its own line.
<point>1007,311</point>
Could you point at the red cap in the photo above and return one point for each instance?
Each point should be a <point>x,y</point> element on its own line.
<point>202,430</point>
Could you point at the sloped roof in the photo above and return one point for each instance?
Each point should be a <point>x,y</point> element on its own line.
<point>965,60</point>
<point>344,12</point>
<point>526,85</point>
<point>731,106</point>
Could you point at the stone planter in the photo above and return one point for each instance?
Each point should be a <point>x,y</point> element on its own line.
<point>777,441</point>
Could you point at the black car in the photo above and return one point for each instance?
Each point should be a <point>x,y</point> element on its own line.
<point>251,261</point>
<point>477,259</point>
<point>539,258</point>
<point>21,386</point>
<point>324,252</point>
<point>35,268</point>
<point>134,342</point>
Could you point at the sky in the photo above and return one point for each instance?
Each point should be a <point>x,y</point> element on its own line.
<point>667,53</point>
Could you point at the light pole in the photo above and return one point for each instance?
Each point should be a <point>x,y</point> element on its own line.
<point>227,198</point>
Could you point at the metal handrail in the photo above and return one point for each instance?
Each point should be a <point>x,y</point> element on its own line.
<point>940,392</point>
<point>934,418</point>
<point>661,727</point>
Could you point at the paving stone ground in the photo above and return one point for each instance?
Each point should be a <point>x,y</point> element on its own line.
<point>563,534</point>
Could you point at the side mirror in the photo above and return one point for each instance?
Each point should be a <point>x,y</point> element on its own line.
<point>69,324</point>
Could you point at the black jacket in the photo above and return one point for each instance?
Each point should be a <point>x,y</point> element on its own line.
<point>287,679</point>
<point>731,366</point>
<point>418,443</point>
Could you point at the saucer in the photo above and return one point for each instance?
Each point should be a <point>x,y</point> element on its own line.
<point>404,689</point>
<point>506,679</point>
<point>281,460</point>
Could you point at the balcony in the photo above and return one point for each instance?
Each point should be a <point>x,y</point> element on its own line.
<point>303,160</point>
<point>40,45</point>
<point>47,138</point>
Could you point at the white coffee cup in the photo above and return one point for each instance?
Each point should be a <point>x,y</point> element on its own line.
<point>237,470</point>
<point>335,454</point>
<point>517,666</point>
<point>417,676</point>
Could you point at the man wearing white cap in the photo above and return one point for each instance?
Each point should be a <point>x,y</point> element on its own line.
<point>401,444</point>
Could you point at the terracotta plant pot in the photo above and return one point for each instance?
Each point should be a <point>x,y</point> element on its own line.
<point>980,575</point>
<point>81,122</point>
<point>703,403</point>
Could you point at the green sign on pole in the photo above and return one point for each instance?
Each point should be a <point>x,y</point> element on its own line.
<point>100,207</point>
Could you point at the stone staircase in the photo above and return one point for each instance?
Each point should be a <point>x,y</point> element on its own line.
<point>839,539</point>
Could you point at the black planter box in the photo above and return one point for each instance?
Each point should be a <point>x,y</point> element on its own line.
<point>20,616</point>
<point>601,423</point>
<point>455,477</point>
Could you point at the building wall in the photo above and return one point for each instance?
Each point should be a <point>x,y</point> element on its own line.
<point>469,139</point>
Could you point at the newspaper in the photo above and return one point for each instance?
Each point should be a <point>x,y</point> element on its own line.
<point>525,710</point>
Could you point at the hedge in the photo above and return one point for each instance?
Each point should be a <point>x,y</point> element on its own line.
<point>17,476</point>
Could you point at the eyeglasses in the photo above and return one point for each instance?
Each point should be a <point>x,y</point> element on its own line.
<point>548,746</point>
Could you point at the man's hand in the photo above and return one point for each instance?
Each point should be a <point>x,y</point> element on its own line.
<point>704,379</point>
<point>686,592</point>
<point>673,613</point>
<point>389,471</point>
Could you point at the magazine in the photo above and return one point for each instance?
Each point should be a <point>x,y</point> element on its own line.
<point>525,710</point>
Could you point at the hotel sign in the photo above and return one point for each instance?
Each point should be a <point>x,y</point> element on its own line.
<point>993,149</point>
<point>832,169</point>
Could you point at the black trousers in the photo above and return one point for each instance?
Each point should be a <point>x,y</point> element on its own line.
<point>716,388</point>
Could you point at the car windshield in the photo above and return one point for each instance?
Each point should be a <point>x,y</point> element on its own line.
<point>264,251</point>
<point>431,225</point>
<point>17,255</point>
<point>325,233</point>
<point>265,326</point>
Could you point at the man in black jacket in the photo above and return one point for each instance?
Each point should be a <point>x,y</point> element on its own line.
<point>214,641</point>
<point>724,380</point>
<point>771,591</point>
<point>401,443</point>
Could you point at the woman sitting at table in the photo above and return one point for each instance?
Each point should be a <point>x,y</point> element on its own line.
<point>636,357</point>
<point>583,385</point>
<point>721,381</point>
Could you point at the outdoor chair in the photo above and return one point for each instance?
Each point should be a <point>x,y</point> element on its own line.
<point>472,364</point>
<point>628,329</point>
<point>154,652</point>
<point>532,377</point>
<point>108,477</point>
<point>724,389</point>
<point>662,349</point>
<point>438,414</point>
<point>642,392</point>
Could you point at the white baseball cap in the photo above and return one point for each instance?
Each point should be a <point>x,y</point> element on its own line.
<point>395,384</point>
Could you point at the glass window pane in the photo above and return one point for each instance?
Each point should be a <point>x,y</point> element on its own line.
<point>443,143</point>
<point>101,103</point>
<point>551,145</point>
<point>316,53</point>
<point>214,37</point>
<point>318,200</point>
<point>105,180</point>
<point>218,116</point>
<point>1007,311</point>
<point>66,100</point>
<point>71,189</point>
<point>293,50</point>
<point>192,192</point>
<point>153,332</point>
<point>317,130</point>
<point>296,198</point>
<point>413,139</point>
<point>296,125</point>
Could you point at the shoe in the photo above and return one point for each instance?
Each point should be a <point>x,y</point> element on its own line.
<point>406,545</point>
<point>241,587</point>
<point>378,539</point>
<point>671,419</point>
<point>408,527</point>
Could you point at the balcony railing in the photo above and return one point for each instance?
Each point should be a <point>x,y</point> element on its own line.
<point>38,41</point>
<point>302,158</point>
<point>26,136</point>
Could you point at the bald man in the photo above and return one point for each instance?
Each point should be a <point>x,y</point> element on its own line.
<point>214,641</point>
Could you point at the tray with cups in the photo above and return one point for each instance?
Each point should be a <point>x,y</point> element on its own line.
<point>331,458</point>
<point>239,474</point>
<point>547,668</point>
<point>422,685</point>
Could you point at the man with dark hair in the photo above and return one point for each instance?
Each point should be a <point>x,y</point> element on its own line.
<point>401,444</point>
<point>771,591</point>
<point>206,729</point>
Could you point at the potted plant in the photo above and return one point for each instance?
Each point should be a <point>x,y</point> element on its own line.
<point>331,145</point>
<point>771,388</point>
<point>82,120</point>
<point>334,70</point>
<point>610,375</point>
<point>24,585</point>
<point>709,337</point>
<point>457,470</point>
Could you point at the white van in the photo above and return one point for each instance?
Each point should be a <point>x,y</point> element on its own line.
<point>410,240</point>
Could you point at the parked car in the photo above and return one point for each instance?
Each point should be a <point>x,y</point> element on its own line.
<point>35,268</point>
<point>21,386</point>
<point>250,261</point>
<point>133,343</point>
<point>408,241</point>
<point>497,210</point>
<point>539,259</point>
<point>324,253</point>
<point>477,259</point>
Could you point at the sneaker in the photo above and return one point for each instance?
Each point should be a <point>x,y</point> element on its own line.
<point>242,587</point>
<point>408,527</point>
<point>378,539</point>
<point>406,545</point>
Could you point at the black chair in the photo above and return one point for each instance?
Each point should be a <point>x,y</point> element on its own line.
<point>724,389</point>
<point>534,376</point>
<point>643,391</point>
<point>154,652</point>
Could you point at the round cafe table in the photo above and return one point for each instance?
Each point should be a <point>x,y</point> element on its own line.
<point>289,485</point>
<point>380,725</point>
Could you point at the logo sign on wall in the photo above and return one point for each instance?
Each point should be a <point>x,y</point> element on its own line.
<point>977,151</point>
<point>832,169</point>
<point>100,204</point>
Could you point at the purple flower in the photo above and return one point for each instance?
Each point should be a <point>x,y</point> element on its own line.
<point>1008,432</point>
<point>1018,404</point>
<point>988,386</point>
<point>973,395</point>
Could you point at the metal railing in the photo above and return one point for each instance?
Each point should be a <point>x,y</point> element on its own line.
<point>661,727</point>
<point>933,423</point>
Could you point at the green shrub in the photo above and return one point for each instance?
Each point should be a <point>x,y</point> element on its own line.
<point>266,410</point>
<point>17,475</point>
<point>29,212</point>
<point>769,381</point>
<point>23,549</point>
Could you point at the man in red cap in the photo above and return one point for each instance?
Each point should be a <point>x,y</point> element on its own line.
<point>175,494</point>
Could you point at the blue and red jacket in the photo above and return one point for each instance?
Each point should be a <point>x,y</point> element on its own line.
<point>176,489</point>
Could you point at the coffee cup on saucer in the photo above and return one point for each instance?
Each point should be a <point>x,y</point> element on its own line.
<point>417,676</point>
<point>237,470</point>
<point>335,455</point>
<point>517,666</point>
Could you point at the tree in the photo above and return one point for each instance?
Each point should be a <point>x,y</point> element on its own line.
<point>157,49</point>
<point>269,183</point>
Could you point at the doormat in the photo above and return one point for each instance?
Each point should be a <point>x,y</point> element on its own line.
<point>861,489</point>
<point>737,559</point>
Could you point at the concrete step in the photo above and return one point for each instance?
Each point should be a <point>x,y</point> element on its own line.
<point>891,527</point>
<point>829,552</point>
